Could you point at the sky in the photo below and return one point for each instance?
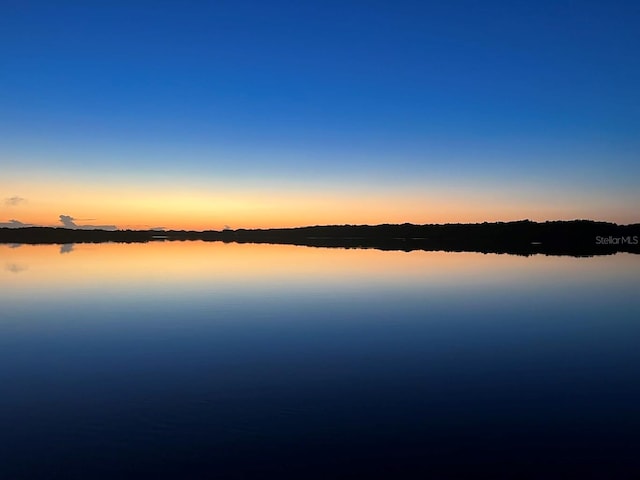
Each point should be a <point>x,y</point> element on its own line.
<point>200,115</point>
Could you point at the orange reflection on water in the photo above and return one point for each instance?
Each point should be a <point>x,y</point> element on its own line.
<point>50,266</point>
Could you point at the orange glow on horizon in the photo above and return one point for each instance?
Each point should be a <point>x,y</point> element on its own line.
<point>128,207</point>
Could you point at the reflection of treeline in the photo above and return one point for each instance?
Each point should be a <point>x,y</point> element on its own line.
<point>578,237</point>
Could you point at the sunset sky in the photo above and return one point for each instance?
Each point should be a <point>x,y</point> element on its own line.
<point>197,115</point>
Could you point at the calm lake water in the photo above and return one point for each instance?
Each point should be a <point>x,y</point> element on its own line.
<point>210,360</point>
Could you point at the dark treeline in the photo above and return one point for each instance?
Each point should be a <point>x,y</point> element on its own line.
<point>578,237</point>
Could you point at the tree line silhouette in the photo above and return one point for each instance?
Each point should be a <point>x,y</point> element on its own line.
<point>576,237</point>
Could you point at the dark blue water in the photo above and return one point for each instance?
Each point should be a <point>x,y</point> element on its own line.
<point>193,360</point>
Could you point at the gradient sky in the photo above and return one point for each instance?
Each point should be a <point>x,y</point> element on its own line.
<point>261,114</point>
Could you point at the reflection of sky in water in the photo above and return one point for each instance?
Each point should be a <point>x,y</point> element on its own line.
<point>179,349</point>
<point>67,248</point>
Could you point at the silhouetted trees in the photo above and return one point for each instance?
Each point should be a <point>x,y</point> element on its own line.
<point>577,237</point>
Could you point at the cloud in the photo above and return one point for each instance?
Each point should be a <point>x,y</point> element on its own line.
<point>14,201</point>
<point>14,224</point>
<point>70,222</point>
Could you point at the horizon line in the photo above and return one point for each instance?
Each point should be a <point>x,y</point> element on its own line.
<point>20,226</point>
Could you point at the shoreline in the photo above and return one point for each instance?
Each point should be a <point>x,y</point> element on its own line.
<point>576,237</point>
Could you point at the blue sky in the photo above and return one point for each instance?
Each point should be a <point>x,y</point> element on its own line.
<point>532,104</point>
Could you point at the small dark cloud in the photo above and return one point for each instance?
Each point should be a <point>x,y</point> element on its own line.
<point>15,245</point>
<point>67,248</point>
<point>15,267</point>
<point>14,201</point>
<point>14,224</point>
<point>70,222</point>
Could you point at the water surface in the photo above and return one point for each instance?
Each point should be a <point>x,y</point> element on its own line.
<point>212,360</point>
